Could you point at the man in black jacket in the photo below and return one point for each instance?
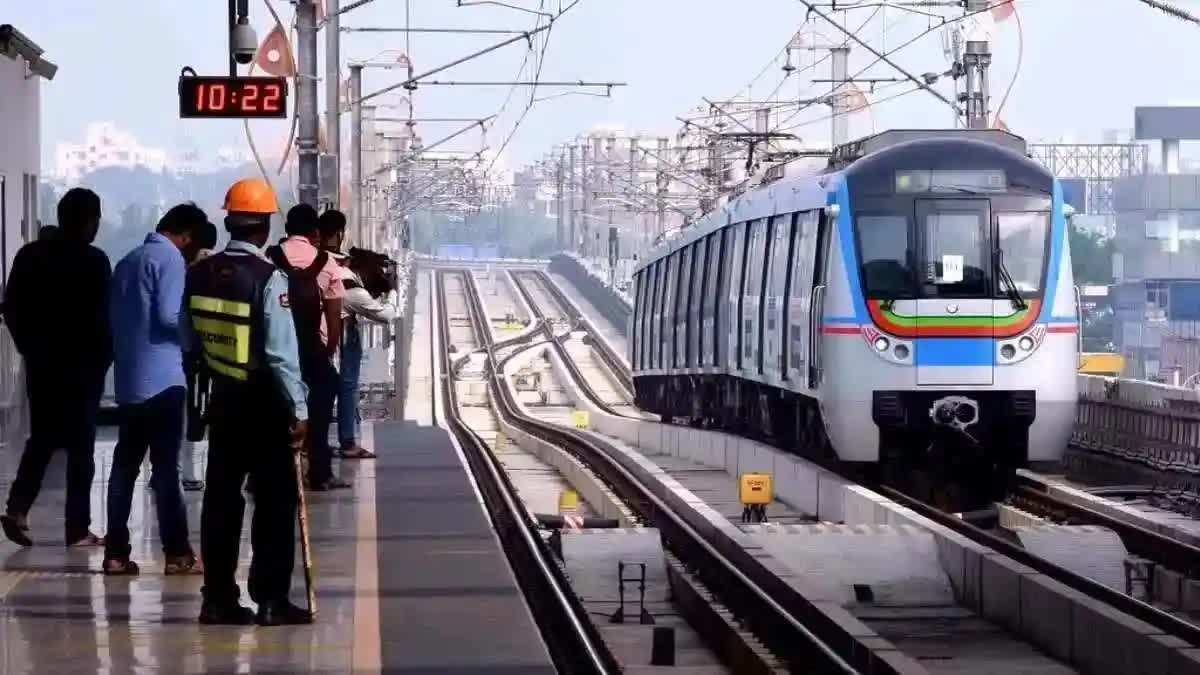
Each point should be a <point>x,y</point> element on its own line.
<point>56,307</point>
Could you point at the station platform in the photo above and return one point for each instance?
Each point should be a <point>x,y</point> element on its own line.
<point>410,578</point>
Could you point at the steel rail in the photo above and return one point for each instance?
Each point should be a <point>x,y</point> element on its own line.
<point>572,639</point>
<point>619,369</point>
<point>766,604</point>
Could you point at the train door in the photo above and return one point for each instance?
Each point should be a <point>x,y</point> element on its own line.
<point>730,347</point>
<point>799,298</point>
<point>816,311</point>
<point>954,313</point>
<point>752,286</point>
<point>696,301</point>
<point>774,311</point>
<point>683,288</point>
<point>712,304</point>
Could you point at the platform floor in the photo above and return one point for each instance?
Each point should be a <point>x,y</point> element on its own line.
<point>410,578</point>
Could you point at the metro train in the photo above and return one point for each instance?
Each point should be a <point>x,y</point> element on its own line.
<point>910,303</point>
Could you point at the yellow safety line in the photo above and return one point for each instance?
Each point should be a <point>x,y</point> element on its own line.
<point>367,650</point>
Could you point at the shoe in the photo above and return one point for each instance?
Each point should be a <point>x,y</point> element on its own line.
<point>183,564</point>
<point>87,540</point>
<point>329,484</point>
<point>282,613</point>
<point>227,614</point>
<point>356,452</point>
<point>193,485</point>
<point>17,532</point>
<point>120,567</point>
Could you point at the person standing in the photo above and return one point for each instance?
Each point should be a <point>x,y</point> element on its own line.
<point>315,293</point>
<point>205,243</point>
<point>239,320</point>
<point>147,292</point>
<point>361,301</point>
<point>56,308</point>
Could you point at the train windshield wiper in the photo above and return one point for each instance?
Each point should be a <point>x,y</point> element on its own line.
<point>1006,280</point>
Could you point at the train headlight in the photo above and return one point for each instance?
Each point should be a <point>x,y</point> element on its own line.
<point>1008,351</point>
<point>1026,343</point>
<point>901,352</point>
<point>882,344</point>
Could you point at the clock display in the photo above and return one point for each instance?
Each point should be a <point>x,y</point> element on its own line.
<point>233,97</point>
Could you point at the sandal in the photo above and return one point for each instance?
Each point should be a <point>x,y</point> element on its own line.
<point>183,564</point>
<point>87,540</point>
<point>356,452</point>
<point>120,567</point>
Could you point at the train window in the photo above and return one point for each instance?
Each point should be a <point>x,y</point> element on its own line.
<point>639,310</point>
<point>776,311</point>
<point>1021,239</point>
<point>699,268</point>
<point>954,245</point>
<point>883,249</point>
<point>655,314</point>
<point>682,297</point>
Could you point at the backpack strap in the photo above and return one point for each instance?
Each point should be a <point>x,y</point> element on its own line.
<point>275,253</point>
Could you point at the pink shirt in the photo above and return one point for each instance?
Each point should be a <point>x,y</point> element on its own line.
<point>301,253</point>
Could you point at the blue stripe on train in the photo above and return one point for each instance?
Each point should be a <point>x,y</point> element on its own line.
<point>954,351</point>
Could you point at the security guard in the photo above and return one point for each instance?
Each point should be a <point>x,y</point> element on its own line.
<point>239,319</point>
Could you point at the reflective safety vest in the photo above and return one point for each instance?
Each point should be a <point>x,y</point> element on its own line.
<point>224,299</point>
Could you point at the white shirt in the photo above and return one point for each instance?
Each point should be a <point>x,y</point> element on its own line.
<point>358,301</point>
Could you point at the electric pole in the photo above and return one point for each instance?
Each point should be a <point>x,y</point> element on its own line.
<point>573,245</point>
<point>306,93</point>
<point>661,185</point>
<point>840,133</point>
<point>585,187</point>
<point>558,179</point>
<point>333,102</point>
<point>356,153</point>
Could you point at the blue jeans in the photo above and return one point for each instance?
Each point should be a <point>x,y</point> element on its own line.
<point>155,425</point>
<point>347,400</point>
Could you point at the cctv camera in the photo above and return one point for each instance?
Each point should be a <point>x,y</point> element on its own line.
<point>243,42</point>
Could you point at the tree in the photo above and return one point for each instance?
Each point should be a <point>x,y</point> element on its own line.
<point>1091,257</point>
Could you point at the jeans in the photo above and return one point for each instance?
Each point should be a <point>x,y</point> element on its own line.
<point>248,435</point>
<point>347,397</point>
<point>322,380</point>
<point>62,414</point>
<point>155,425</point>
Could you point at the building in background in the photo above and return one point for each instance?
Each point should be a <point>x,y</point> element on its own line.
<point>106,146</point>
<point>1157,254</point>
<point>22,70</point>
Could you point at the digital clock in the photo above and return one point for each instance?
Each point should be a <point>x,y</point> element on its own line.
<point>233,97</point>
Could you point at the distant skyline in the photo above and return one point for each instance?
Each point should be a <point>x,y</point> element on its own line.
<point>1085,65</point>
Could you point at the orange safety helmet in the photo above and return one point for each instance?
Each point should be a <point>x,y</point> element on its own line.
<point>251,195</point>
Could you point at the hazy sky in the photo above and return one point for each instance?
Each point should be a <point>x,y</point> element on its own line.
<point>1086,64</point>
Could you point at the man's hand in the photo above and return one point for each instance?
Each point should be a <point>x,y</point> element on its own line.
<point>299,434</point>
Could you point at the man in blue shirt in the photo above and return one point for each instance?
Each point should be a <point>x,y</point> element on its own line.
<point>145,301</point>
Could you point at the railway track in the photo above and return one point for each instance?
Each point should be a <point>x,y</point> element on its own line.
<point>568,632</point>
<point>1161,550</point>
<point>763,604</point>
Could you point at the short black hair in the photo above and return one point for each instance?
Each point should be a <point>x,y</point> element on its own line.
<point>186,218</point>
<point>331,222</point>
<point>301,220</point>
<point>205,236</point>
<point>76,209</point>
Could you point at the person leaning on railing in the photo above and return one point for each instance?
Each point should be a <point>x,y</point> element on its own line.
<point>366,278</point>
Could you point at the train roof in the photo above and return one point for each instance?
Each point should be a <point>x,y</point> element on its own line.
<point>808,183</point>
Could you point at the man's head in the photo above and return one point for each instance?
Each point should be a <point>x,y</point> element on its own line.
<point>184,225</point>
<point>302,221</point>
<point>250,203</point>
<point>79,215</point>
<point>332,225</point>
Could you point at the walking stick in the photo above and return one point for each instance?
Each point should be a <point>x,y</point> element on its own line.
<point>306,554</point>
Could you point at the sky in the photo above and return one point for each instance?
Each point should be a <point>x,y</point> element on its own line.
<point>1085,64</point>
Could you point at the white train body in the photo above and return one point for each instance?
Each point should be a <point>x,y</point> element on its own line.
<point>919,289</point>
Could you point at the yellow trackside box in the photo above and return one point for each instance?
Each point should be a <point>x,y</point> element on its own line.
<point>580,418</point>
<point>754,488</point>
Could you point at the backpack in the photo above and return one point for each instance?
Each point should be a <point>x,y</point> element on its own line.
<point>304,297</point>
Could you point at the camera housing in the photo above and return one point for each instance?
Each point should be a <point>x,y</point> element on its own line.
<point>243,41</point>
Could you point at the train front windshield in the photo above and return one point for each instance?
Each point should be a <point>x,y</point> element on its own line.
<point>953,235</point>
